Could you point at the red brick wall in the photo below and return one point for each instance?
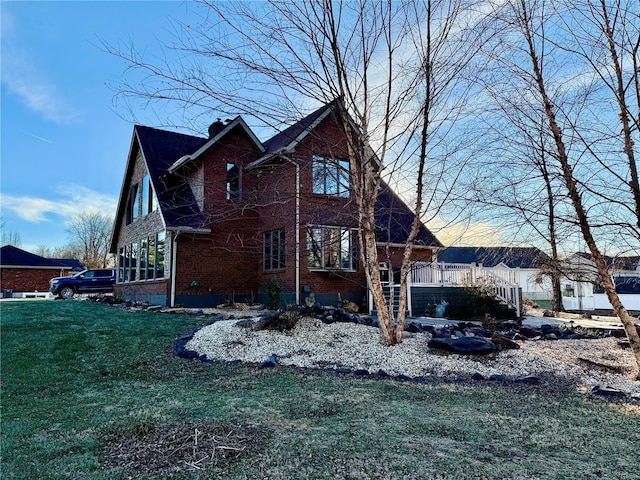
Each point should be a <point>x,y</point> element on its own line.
<point>224,262</point>
<point>418,255</point>
<point>28,279</point>
<point>275,189</point>
<point>142,290</point>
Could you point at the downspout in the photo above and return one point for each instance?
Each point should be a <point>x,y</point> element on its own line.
<point>297,260</point>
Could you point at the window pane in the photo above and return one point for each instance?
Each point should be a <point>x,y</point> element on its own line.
<point>281,249</point>
<point>344,184</point>
<point>331,248</point>
<point>319,175</point>
<point>233,182</point>
<point>314,247</point>
<point>134,262</point>
<point>267,250</point>
<point>274,249</point>
<point>345,249</point>
<point>120,265</point>
<point>143,259</point>
<point>135,200</point>
<point>160,255</point>
<point>127,261</point>
<point>151,257</point>
<point>144,185</point>
<point>330,176</point>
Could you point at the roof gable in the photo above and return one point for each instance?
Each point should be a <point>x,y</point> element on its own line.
<point>512,257</point>
<point>291,136</point>
<point>159,150</point>
<point>11,256</point>
<point>236,123</point>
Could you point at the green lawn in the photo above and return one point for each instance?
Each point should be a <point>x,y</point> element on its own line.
<point>88,388</point>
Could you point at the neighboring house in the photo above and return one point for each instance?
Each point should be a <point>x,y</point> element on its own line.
<point>22,272</point>
<point>581,286</point>
<point>201,221</point>
<point>519,265</point>
<point>74,264</point>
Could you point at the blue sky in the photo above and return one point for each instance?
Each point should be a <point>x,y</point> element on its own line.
<point>64,144</point>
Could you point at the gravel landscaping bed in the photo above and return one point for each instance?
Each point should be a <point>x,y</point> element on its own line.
<point>588,363</point>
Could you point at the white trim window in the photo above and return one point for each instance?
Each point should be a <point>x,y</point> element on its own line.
<point>331,177</point>
<point>143,260</point>
<point>274,250</point>
<point>142,200</point>
<point>332,248</point>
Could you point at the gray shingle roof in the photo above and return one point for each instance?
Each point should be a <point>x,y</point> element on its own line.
<point>512,257</point>
<point>11,256</point>
<point>161,149</point>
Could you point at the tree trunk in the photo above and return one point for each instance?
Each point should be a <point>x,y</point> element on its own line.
<point>576,200</point>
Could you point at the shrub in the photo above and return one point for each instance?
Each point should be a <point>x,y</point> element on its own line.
<point>273,288</point>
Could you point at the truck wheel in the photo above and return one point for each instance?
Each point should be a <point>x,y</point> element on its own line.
<point>67,292</point>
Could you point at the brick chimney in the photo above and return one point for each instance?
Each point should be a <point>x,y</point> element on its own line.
<point>215,128</point>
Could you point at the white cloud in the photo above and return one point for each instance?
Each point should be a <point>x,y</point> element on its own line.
<point>29,83</point>
<point>473,234</point>
<point>24,81</point>
<point>71,200</point>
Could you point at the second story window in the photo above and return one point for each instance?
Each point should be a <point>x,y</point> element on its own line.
<point>331,176</point>
<point>142,200</point>
<point>233,182</point>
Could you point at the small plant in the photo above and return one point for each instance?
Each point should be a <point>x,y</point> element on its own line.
<point>251,299</point>
<point>430,310</point>
<point>231,300</point>
<point>273,288</point>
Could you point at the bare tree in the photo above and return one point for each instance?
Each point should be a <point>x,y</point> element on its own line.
<point>530,21</point>
<point>606,38</point>
<point>11,238</point>
<point>396,69</point>
<point>89,235</point>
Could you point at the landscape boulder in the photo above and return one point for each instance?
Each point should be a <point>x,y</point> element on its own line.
<point>504,342</point>
<point>463,345</point>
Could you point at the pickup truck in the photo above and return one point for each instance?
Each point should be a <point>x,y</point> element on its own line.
<point>95,280</point>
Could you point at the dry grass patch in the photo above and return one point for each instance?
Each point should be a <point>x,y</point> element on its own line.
<point>179,447</point>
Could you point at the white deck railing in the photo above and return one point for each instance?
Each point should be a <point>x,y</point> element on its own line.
<point>501,282</point>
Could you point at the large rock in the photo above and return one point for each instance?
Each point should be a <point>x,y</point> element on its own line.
<point>350,307</point>
<point>464,345</point>
<point>504,342</point>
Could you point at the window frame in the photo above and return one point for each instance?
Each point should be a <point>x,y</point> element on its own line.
<point>274,245</point>
<point>331,176</point>
<point>143,260</point>
<point>232,182</point>
<point>332,248</point>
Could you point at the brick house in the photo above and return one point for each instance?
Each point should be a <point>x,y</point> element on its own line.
<point>204,220</point>
<point>22,271</point>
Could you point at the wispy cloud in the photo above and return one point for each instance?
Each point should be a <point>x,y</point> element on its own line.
<point>46,140</point>
<point>462,234</point>
<point>71,200</point>
<point>25,80</point>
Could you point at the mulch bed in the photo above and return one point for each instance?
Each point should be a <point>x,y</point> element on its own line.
<point>178,447</point>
